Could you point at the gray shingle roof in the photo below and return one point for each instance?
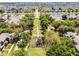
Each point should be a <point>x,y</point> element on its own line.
<point>3,36</point>
<point>76,38</point>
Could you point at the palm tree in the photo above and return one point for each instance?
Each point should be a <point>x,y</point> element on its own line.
<point>76,10</point>
<point>1,11</point>
<point>13,25</point>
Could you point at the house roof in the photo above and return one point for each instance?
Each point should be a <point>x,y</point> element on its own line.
<point>3,36</point>
<point>77,47</point>
<point>1,19</point>
<point>76,39</point>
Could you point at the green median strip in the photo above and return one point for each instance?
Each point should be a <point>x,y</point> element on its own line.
<point>37,52</point>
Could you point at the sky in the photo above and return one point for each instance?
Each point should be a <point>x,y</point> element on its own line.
<point>39,0</point>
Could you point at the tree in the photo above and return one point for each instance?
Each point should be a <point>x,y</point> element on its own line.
<point>70,10</point>
<point>21,44</point>
<point>53,9</point>
<point>51,37</point>
<point>18,30</point>
<point>19,52</point>
<point>44,22</point>
<point>76,10</point>
<point>70,23</point>
<point>2,11</point>
<point>64,17</point>
<point>3,25</point>
<point>60,9</point>
<point>56,24</point>
<point>25,38</point>
<point>27,22</point>
<point>13,25</point>
<point>6,30</point>
<point>77,23</point>
<point>23,24</point>
<point>65,48</point>
<point>64,29</point>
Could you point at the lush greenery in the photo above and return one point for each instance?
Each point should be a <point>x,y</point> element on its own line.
<point>50,38</point>
<point>44,21</point>
<point>6,30</point>
<point>25,38</point>
<point>31,32</point>
<point>36,52</point>
<point>65,48</point>
<point>19,52</point>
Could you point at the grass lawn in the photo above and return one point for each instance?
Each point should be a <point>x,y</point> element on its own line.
<point>4,53</point>
<point>11,49</point>
<point>8,46</point>
<point>5,50</point>
<point>36,52</point>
